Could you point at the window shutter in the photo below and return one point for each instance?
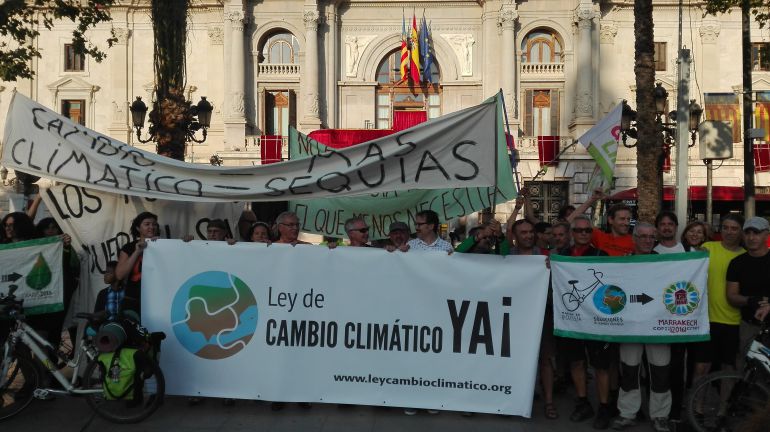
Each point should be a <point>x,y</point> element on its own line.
<point>528,107</point>
<point>555,112</point>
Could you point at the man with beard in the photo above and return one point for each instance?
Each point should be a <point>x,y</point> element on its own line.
<point>618,241</point>
<point>667,223</point>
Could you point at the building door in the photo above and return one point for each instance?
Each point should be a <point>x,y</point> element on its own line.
<point>74,109</point>
<point>542,112</point>
<point>547,198</point>
<point>280,112</point>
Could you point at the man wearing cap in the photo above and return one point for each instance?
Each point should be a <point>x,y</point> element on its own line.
<point>398,234</point>
<point>748,281</point>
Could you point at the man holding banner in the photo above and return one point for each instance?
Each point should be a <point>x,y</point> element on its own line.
<point>658,356</point>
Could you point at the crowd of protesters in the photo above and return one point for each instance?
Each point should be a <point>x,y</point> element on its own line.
<point>738,292</point>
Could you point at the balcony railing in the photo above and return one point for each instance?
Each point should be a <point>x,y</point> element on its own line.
<point>542,68</point>
<point>257,150</point>
<point>281,69</point>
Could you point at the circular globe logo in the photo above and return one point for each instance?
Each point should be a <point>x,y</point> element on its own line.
<point>214,315</point>
<point>609,299</point>
<point>681,298</point>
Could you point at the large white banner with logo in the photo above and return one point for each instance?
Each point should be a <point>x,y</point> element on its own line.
<point>454,151</point>
<point>348,325</point>
<point>33,269</point>
<point>637,298</point>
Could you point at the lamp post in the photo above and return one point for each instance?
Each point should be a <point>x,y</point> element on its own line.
<point>193,118</point>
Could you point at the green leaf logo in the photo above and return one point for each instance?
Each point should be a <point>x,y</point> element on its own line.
<point>40,275</point>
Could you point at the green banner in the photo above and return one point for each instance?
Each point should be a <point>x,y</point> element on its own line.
<point>327,216</point>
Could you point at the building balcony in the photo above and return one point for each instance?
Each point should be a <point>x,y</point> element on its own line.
<point>257,150</point>
<point>542,70</point>
<point>279,69</point>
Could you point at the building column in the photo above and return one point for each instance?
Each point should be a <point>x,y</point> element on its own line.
<point>234,103</point>
<point>490,49</point>
<point>584,100</point>
<point>507,19</point>
<point>119,126</point>
<point>311,118</point>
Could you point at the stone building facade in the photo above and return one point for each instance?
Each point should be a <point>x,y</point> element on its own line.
<point>266,65</point>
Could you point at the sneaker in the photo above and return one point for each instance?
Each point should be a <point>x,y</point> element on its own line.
<point>433,412</point>
<point>410,411</point>
<point>622,423</point>
<point>660,424</point>
<point>603,417</point>
<point>583,411</point>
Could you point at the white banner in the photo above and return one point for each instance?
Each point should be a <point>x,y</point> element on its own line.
<point>637,298</point>
<point>453,151</point>
<point>348,325</point>
<point>34,268</point>
<point>99,224</point>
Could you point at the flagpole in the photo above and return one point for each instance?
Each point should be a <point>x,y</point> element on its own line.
<point>508,130</point>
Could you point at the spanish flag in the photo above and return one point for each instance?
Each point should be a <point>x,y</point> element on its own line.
<point>404,49</point>
<point>414,64</point>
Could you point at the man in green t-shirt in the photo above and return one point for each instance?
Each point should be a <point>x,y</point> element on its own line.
<point>724,319</point>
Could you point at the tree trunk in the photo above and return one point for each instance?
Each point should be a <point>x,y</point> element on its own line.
<point>171,114</point>
<point>649,150</point>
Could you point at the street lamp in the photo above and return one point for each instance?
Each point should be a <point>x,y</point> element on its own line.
<point>197,117</point>
<point>628,119</point>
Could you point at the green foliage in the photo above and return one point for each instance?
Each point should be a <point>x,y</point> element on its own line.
<point>22,20</point>
<point>759,8</point>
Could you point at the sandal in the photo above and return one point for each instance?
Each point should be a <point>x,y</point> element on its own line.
<point>550,411</point>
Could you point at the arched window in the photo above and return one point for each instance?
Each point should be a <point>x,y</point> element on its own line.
<point>393,94</point>
<point>542,46</point>
<point>280,48</point>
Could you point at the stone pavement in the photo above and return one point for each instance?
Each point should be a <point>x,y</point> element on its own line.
<point>72,414</point>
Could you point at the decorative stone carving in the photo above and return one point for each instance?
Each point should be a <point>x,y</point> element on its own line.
<point>310,18</point>
<point>462,45</point>
<point>235,17</point>
<point>312,104</point>
<point>354,47</point>
<point>118,111</point>
<point>608,31</point>
<point>237,102</point>
<point>508,16</point>
<point>584,106</point>
<point>583,15</point>
<point>122,34</point>
<point>709,30</point>
<point>216,35</point>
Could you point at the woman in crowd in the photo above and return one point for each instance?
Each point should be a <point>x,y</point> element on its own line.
<point>694,235</point>
<point>47,227</point>
<point>17,226</point>
<point>129,270</point>
<point>259,232</point>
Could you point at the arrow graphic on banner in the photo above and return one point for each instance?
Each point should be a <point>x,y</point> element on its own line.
<point>13,277</point>
<point>641,298</point>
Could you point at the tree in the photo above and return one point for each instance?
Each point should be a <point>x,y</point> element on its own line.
<point>649,148</point>
<point>171,113</point>
<point>20,21</point>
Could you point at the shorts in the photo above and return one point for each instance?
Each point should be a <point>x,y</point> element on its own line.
<point>599,353</point>
<point>721,349</point>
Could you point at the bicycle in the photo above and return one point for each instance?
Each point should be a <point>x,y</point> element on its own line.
<point>724,401</point>
<point>573,299</point>
<point>25,353</point>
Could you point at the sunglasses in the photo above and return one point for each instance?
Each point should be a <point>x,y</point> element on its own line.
<point>582,230</point>
<point>361,230</point>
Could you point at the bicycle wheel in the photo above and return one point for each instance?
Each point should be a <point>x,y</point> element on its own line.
<point>724,402</point>
<point>125,410</point>
<point>17,387</point>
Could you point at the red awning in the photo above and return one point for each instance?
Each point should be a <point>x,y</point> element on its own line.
<point>696,193</point>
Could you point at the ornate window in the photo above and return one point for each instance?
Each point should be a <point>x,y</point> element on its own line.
<point>542,46</point>
<point>393,94</point>
<point>280,48</point>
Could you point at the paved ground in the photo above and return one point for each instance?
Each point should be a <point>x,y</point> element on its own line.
<point>71,415</point>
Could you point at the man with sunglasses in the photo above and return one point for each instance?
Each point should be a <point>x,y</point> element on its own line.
<point>748,280</point>
<point>599,353</point>
<point>358,232</point>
